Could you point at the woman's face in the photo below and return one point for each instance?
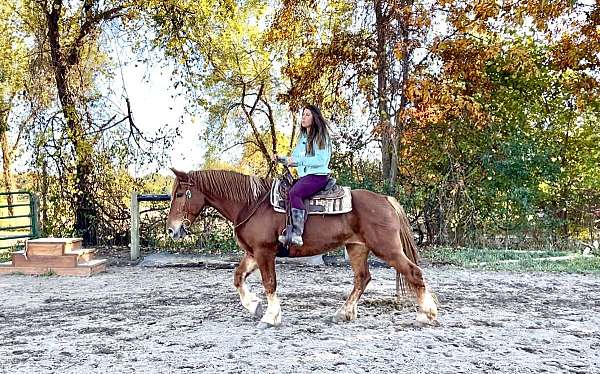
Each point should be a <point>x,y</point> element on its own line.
<point>307,119</point>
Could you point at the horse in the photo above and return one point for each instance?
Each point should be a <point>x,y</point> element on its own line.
<point>376,224</point>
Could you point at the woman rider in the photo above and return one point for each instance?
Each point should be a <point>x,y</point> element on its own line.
<point>311,158</point>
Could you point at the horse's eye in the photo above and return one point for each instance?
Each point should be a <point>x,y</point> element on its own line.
<point>179,194</point>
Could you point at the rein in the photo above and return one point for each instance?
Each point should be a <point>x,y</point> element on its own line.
<point>253,210</point>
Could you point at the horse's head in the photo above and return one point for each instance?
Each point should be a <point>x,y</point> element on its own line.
<point>186,204</point>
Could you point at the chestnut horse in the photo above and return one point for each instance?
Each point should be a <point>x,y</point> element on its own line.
<point>376,224</point>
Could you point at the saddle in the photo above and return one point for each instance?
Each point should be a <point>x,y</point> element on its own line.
<point>332,199</point>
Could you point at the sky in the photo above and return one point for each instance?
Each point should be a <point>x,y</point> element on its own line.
<point>154,104</point>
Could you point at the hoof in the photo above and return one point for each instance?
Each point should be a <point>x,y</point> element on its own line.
<point>256,309</point>
<point>342,316</point>
<point>263,325</point>
<point>424,319</point>
<point>271,320</point>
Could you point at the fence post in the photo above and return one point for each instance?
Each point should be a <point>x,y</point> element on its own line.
<point>35,214</point>
<point>135,226</point>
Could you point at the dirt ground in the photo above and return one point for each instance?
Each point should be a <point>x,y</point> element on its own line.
<point>189,320</point>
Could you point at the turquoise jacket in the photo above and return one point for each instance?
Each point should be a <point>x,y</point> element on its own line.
<point>316,164</point>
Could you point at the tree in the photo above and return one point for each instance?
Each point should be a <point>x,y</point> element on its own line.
<point>252,162</point>
<point>82,142</point>
<point>506,145</point>
<point>224,64</point>
<point>13,70</point>
<point>66,50</point>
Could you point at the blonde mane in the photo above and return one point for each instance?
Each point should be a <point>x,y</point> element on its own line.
<point>230,184</point>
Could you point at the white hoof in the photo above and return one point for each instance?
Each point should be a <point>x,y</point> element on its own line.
<point>339,316</point>
<point>429,305</point>
<point>255,308</point>
<point>271,320</point>
<point>263,326</point>
<point>345,314</point>
<point>422,318</point>
<point>427,308</point>
<point>426,319</point>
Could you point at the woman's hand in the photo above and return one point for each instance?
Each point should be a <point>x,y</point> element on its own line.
<point>281,159</point>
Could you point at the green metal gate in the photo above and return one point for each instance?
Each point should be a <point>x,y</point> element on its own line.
<point>22,223</point>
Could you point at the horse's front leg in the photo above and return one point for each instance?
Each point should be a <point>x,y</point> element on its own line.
<point>266,265</point>
<point>249,300</point>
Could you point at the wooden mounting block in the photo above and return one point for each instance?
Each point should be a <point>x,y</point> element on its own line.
<point>60,256</point>
<point>83,269</point>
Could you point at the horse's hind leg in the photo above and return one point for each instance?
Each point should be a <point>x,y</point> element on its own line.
<point>392,253</point>
<point>427,312</point>
<point>249,300</point>
<point>358,255</point>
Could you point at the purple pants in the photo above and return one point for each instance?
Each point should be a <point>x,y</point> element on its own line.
<point>306,187</point>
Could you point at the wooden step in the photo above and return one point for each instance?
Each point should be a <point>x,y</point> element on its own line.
<point>83,269</point>
<point>84,254</point>
<point>52,246</point>
<point>67,260</point>
<point>64,261</point>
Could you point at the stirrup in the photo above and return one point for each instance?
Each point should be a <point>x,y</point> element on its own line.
<point>296,240</point>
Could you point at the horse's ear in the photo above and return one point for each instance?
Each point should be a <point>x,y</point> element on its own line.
<point>183,176</point>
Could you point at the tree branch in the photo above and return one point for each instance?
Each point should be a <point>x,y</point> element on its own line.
<point>90,23</point>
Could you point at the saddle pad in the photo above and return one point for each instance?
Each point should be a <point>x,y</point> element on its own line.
<point>315,205</point>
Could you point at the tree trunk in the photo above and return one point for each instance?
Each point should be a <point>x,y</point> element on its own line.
<point>399,127</point>
<point>382,80</point>
<point>85,212</point>
<point>6,158</point>
<point>294,126</point>
<point>565,190</point>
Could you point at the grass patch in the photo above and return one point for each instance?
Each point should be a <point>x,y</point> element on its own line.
<point>519,260</point>
<point>49,273</point>
<point>467,256</point>
<point>582,265</point>
<point>5,255</point>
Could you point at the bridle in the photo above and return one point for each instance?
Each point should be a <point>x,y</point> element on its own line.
<point>186,206</point>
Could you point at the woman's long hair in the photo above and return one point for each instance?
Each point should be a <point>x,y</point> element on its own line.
<point>319,133</point>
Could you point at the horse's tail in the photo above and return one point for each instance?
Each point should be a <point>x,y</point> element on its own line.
<point>408,241</point>
<point>408,246</point>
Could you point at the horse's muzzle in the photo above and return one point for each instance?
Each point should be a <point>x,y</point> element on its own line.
<point>178,233</point>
